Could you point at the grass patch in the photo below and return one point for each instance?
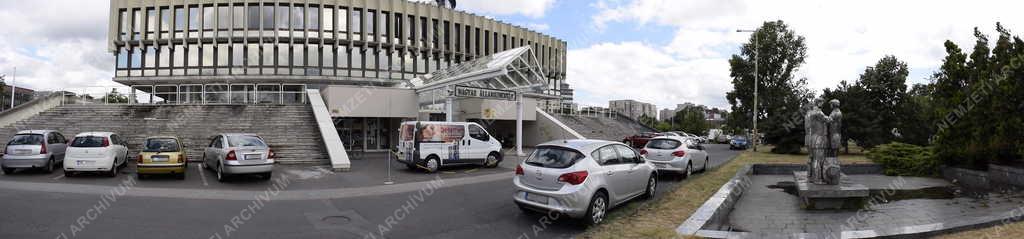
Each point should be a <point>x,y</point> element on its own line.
<point>659,218</point>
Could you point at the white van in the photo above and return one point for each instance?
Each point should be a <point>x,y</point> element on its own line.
<point>431,145</point>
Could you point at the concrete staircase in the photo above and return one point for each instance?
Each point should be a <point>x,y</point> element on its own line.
<point>599,127</point>
<point>290,130</point>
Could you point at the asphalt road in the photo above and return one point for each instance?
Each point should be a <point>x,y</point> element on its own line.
<point>481,210</point>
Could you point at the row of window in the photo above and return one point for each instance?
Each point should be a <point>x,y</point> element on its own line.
<point>221,94</point>
<point>275,59</point>
<point>300,21</point>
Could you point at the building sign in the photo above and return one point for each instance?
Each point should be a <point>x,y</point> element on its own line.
<point>474,92</point>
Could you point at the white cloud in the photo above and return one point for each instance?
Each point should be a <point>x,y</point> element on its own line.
<point>639,71</point>
<point>540,27</point>
<point>843,37</point>
<point>56,44</point>
<point>529,8</point>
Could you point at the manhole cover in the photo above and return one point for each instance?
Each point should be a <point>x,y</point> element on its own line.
<point>337,220</point>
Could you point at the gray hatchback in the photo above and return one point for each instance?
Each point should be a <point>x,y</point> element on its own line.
<point>42,149</point>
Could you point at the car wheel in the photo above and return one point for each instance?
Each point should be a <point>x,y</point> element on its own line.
<point>8,170</point>
<point>707,162</point>
<point>689,170</point>
<point>113,169</point>
<point>432,164</point>
<point>220,173</point>
<point>652,187</point>
<point>49,166</point>
<point>596,210</point>
<point>492,161</point>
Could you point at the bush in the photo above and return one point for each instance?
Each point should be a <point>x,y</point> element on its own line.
<point>900,159</point>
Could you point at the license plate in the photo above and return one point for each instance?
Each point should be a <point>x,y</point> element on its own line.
<point>253,157</point>
<point>22,151</point>
<point>83,163</point>
<point>537,198</point>
<point>160,158</point>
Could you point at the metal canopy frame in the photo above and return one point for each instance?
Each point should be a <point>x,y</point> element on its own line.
<point>516,70</point>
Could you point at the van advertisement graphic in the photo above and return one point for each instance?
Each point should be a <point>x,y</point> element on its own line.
<point>438,133</point>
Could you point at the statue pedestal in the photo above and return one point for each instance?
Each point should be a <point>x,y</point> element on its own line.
<point>824,197</point>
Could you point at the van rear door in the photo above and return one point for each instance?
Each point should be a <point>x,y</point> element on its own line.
<point>407,141</point>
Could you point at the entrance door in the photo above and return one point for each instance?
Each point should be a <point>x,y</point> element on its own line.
<point>373,130</point>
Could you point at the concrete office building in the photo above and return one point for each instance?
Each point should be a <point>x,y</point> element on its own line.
<point>375,62</point>
<point>633,109</point>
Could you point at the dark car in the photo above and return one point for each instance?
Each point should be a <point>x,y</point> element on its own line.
<point>739,142</point>
<point>638,141</point>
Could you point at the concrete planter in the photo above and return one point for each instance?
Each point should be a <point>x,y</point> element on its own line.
<point>1006,175</point>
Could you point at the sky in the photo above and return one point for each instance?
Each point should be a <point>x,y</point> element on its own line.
<point>664,52</point>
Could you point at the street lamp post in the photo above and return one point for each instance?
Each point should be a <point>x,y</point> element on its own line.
<point>756,83</point>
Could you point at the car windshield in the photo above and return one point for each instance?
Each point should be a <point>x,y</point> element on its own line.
<point>27,139</point>
<point>245,141</point>
<point>161,145</point>
<point>88,142</point>
<point>553,157</point>
<point>663,144</point>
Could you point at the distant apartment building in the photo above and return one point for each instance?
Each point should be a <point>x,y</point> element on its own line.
<point>633,109</point>
<point>667,113</point>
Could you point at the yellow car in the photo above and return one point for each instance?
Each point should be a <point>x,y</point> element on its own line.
<point>162,155</point>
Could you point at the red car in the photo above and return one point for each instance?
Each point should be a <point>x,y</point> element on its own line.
<point>638,141</point>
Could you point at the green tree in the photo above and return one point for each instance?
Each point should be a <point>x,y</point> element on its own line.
<point>977,101</point>
<point>885,89</point>
<point>780,52</point>
<point>691,120</point>
<point>115,97</point>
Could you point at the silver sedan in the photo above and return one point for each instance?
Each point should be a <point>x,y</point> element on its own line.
<point>231,154</point>
<point>582,178</point>
<point>676,154</point>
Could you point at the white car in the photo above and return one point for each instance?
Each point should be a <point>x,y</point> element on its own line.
<point>676,154</point>
<point>96,152</point>
<point>582,178</point>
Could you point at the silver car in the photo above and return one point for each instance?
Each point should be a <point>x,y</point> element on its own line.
<point>34,149</point>
<point>233,154</point>
<point>582,178</point>
<point>676,154</point>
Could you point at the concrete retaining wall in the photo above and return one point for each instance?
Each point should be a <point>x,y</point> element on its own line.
<point>996,176</point>
<point>27,110</point>
<point>546,128</point>
<point>1006,175</point>
<point>715,211</point>
<point>788,169</point>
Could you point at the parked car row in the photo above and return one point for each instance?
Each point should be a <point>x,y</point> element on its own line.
<point>585,178</point>
<point>107,153</point>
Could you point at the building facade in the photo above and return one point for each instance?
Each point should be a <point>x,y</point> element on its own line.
<point>633,109</point>
<point>271,51</point>
<point>259,51</point>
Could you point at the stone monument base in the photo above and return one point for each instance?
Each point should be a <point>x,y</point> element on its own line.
<point>822,197</point>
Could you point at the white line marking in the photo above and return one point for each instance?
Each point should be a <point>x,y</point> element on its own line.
<point>201,175</point>
<point>58,177</point>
